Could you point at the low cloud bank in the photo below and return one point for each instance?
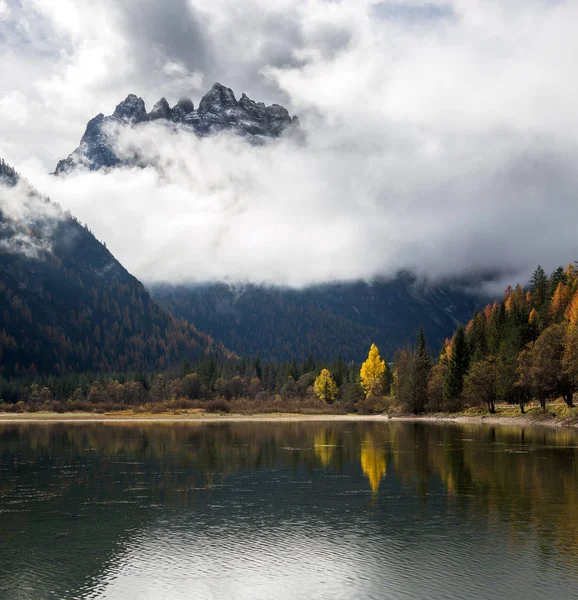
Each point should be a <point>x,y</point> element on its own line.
<point>441,135</point>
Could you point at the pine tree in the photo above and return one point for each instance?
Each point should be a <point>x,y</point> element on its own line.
<point>340,370</point>
<point>387,380</point>
<point>539,287</point>
<point>557,277</point>
<point>457,367</point>
<point>308,365</point>
<point>476,335</point>
<point>419,373</point>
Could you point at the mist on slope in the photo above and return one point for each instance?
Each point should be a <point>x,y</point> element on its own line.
<point>27,221</point>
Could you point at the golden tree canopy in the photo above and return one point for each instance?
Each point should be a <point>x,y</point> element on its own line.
<point>560,300</point>
<point>572,311</point>
<point>372,370</point>
<point>325,386</point>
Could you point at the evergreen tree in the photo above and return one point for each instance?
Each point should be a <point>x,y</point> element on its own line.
<point>476,335</point>
<point>420,368</point>
<point>387,380</point>
<point>340,371</point>
<point>539,287</point>
<point>457,367</point>
<point>557,277</point>
<point>308,365</point>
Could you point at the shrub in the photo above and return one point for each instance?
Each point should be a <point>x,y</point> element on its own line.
<point>218,405</point>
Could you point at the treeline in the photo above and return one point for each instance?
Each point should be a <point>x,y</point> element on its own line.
<point>522,348</point>
<point>216,377</point>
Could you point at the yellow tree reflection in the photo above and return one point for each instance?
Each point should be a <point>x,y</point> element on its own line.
<point>325,444</point>
<point>373,463</point>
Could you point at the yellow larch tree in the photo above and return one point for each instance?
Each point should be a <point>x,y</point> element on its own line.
<point>571,313</point>
<point>325,386</point>
<point>560,300</point>
<point>372,371</point>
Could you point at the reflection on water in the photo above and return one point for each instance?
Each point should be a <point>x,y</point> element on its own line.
<point>287,510</point>
<point>373,461</point>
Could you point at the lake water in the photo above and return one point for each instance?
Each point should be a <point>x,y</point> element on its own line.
<point>270,511</point>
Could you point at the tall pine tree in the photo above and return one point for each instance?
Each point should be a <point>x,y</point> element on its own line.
<point>457,367</point>
<point>420,369</point>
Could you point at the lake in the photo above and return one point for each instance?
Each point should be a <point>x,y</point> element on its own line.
<point>287,510</point>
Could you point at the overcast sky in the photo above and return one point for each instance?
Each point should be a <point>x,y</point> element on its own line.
<point>442,136</point>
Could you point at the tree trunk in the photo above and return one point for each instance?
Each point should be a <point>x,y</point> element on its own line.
<point>522,410</point>
<point>492,407</point>
<point>543,403</point>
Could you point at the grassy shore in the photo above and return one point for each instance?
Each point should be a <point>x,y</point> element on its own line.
<point>557,415</point>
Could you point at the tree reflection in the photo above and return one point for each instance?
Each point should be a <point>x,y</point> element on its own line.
<point>526,479</point>
<point>373,462</point>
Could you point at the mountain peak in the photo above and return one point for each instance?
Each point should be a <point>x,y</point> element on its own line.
<point>218,111</point>
<point>131,110</point>
<point>217,99</point>
<point>161,110</point>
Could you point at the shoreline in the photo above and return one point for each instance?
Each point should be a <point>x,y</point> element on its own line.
<point>540,420</point>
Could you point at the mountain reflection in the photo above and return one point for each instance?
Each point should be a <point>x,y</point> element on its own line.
<point>88,493</point>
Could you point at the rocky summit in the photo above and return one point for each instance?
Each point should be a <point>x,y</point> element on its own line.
<point>218,111</point>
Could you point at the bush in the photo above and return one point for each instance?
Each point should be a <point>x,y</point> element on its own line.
<point>218,405</point>
<point>372,405</point>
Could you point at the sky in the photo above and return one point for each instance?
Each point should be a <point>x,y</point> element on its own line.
<point>440,137</point>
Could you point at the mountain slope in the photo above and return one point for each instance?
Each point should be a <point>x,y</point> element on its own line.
<point>277,323</point>
<point>66,304</point>
<point>218,111</point>
<point>325,320</point>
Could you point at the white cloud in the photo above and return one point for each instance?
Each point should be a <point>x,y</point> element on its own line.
<point>4,10</point>
<point>13,107</point>
<point>441,135</point>
<point>28,221</point>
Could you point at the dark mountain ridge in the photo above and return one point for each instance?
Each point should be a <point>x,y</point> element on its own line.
<point>67,304</point>
<point>324,320</point>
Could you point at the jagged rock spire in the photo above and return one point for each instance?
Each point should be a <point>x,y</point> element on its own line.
<point>218,111</point>
<point>161,110</point>
<point>131,110</point>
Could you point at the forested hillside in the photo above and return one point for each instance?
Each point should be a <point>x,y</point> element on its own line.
<point>277,323</point>
<point>67,304</point>
<point>522,348</point>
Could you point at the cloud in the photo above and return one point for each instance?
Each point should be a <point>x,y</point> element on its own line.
<point>27,221</point>
<point>441,135</point>
<point>13,107</point>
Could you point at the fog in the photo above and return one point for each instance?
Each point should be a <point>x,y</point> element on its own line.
<point>440,137</point>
